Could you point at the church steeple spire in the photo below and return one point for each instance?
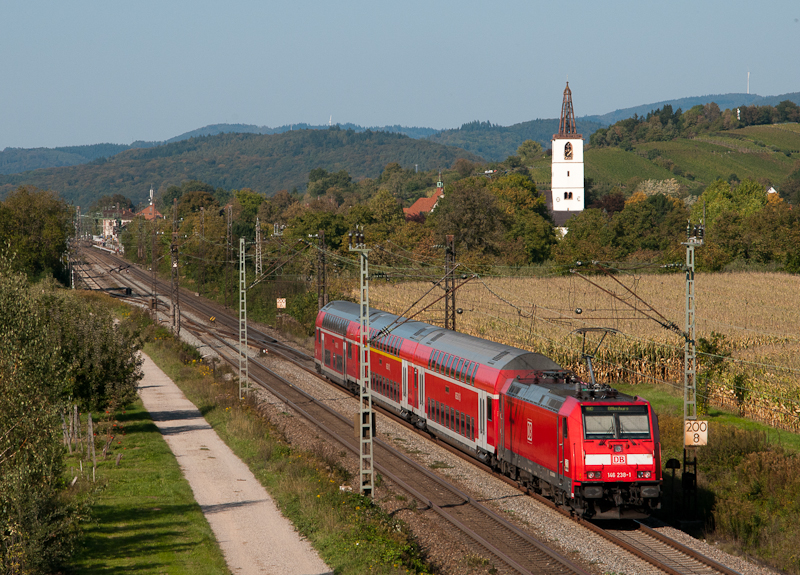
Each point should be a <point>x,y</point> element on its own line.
<point>566,127</point>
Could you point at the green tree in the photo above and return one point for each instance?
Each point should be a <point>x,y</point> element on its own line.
<point>537,235</point>
<point>720,197</point>
<point>528,151</point>
<point>469,211</point>
<point>192,202</point>
<point>38,525</point>
<point>38,224</point>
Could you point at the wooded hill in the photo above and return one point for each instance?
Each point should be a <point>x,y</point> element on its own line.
<point>496,143</point>
<point>17,160</point>
<point>263,163</point>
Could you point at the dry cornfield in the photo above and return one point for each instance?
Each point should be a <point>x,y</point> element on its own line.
<point>757,313</point>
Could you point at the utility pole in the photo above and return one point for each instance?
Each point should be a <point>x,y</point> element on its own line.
<point>176,304</point>
<point>154,299</point>
<point>366,479</point>
<point>694,238</point>
<point>258,270</point>
<point>244,379</point>
<point>322,277</point>
<point>449,283</point>
<point>229,244</point>
<point>140,251</point>
<point>202,246</point>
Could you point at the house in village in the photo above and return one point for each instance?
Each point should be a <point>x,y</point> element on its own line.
<point>423,206</point>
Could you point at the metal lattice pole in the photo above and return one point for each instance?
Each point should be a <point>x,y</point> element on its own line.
<point>258,270</point>
<point>694,238</point>
<point>229,255</point>
<point>244,378</point>
<point>366,469</point>
<point>176,303</point>
<point>322,277</point>
<point>690,347</point>
<point>449,283</point>
<point>202,246</point>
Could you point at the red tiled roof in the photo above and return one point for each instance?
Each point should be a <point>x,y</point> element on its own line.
<point>423,205</point>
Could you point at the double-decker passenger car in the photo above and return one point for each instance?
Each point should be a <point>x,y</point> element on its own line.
<point>583,444</point>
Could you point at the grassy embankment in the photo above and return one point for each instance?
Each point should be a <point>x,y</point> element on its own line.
<point>749,474</point>
<point>351,534</point>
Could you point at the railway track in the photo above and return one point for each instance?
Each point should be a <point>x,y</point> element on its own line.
<point>514,548</point>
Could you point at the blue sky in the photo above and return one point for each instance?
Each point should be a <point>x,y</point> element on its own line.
<point>85,72</point>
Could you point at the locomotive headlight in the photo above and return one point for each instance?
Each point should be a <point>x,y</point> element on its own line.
<point>643,474</point>
<point>617,449</point>
<point>593,474</point>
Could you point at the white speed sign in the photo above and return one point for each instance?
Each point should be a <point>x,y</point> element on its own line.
<point>695,432</point>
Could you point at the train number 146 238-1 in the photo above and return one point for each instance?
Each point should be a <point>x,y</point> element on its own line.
<point>620,475</point>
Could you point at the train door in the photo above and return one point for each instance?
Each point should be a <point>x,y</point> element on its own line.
<point>345,347</point>
<point>421,400</point>
<point>404,398</point>
<point>562,442</point>
<point>412,375</point>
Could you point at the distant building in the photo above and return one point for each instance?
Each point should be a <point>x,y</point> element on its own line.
<point>566,198</point>
<point>424,205</point>
<point>114,218</point>
<point>150,213</point>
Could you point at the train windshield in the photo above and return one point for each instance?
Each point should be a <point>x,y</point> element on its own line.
<point>616,422</point>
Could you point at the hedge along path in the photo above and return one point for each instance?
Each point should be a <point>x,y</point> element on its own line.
<point>252,533</point>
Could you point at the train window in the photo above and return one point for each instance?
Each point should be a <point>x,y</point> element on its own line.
<point>327,357</point>
<point>472,375</point>
<point>463,424</point>
<point>459,369</point>
<point>616,421</point>
<point>471,428</point>
<point>430,359</point>
<point>488,409</point>
<point>634,425</point>
<point>599,426</point>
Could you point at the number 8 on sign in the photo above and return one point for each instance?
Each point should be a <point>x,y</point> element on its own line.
<point>695,433</point>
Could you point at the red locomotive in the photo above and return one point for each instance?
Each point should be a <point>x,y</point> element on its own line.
<point>583,444</point>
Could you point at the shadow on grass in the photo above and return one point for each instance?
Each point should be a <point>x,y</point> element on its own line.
<point>134,539</point>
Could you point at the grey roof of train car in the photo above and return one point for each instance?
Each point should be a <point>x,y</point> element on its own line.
<point>497,355</point>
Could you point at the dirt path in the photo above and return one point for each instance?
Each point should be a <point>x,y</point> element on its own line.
<point>253,535</point>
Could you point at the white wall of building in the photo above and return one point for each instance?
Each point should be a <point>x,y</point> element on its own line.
<point>567,175</point>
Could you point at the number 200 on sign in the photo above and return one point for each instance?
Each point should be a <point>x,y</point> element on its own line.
<point>695,433</point>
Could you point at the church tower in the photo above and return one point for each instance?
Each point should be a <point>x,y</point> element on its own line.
<point>567,167</point>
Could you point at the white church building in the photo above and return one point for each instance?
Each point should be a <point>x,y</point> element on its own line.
<point>566,197</point>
